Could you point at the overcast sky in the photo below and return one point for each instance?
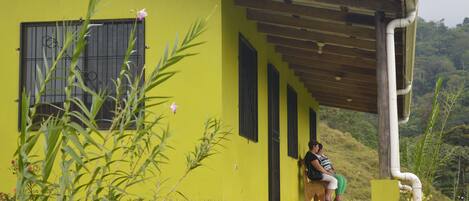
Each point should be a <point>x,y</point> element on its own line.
<point>453,11</point>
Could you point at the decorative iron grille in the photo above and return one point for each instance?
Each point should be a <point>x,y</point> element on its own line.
<point>99,64</point>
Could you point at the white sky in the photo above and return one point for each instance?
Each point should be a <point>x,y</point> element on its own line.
<point>453,11</point>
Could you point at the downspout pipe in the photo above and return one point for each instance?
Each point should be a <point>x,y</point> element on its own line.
<point>402,92</point>
<point>404,120</point>
<point>393,116</point>
<point>404,188</point>
<point>406,90</point>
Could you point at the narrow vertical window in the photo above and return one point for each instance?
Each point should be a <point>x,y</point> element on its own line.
<point>292,122</point>
<point>247,82</point>
<point>312,125</point>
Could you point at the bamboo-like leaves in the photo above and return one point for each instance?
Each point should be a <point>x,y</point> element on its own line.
<point>427,154</point>
<point>52,145</point>
<point>176,55</point>
<point>421,146</point>
<point>79,161</point>
<point>214,135</point>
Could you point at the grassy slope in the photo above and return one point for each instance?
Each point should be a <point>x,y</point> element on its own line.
<point>357,162</point>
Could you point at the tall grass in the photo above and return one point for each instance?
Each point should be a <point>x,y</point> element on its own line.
<point>82,162</point>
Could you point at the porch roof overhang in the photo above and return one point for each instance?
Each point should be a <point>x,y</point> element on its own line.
<point>331,46</point>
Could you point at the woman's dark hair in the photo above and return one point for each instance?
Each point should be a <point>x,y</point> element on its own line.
<point>320,146</point>
<point>311,144</point>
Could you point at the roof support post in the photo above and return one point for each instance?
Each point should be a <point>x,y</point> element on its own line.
<point>383,97</point>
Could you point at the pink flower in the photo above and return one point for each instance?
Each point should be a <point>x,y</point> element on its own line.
<point>173,107</point>
<point>141,14</point>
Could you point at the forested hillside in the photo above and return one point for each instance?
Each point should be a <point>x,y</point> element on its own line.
<point>441,52</point>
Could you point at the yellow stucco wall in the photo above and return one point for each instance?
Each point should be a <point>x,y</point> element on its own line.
<point>195,89</point>
<point>206,87</point>
<point>248,176</point>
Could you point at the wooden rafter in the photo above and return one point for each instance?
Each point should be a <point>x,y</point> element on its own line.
<point>343,98</point>
<point>311,24</point>
<point>340,87</point>
<point>343,78</point>
<point>374,5</point>
<point>333,91</point>
<point>365,97</point>
<point>327,65</point>
<point>315,36</point>
<point>314,55</point>
<point>332,79</point>
<point>334,74</point>
<point>320,13</point>
<point>339,96</point>
<point>326,102</point>
<point>345,68</point>
<point>332,49</point>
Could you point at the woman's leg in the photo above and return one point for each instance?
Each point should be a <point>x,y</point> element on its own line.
<point>328,195</point>
<point>331,185</point>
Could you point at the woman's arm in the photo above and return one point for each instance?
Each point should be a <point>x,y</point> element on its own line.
<point>318,167</point>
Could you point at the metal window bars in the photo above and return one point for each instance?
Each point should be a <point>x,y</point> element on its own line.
<point>99,64</point>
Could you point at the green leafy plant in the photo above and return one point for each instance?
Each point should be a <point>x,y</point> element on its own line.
<point>425,155</point>
<point>80,161</point>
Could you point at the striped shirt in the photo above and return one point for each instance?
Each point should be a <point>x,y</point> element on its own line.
<point>325,162</point>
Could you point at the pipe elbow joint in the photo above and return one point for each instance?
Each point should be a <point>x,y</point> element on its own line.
<point>400,23</point>
<point>412,178</point>
<point>404,188</point>
<point>404,120</point>
<point>407,176</point>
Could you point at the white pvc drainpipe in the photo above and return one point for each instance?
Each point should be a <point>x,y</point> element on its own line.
<point>404,188</point>
<point>402,92</point>
<point>406,90</point>
<point>393,117</point>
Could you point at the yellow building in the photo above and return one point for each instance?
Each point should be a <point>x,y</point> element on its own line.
<point>292,57</point>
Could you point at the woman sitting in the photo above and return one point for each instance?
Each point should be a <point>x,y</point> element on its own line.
<point>315,171</point>
<point>327,165</point>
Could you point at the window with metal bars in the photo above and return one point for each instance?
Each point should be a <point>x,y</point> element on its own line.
<point>292,122</point>
<point>312,125</point>
<point>247,82</point>
<point>99,63</point>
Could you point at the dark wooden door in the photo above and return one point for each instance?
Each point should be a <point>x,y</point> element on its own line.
<point>273,133</point>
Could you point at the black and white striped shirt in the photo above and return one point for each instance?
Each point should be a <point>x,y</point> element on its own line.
<point>325,162</point>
